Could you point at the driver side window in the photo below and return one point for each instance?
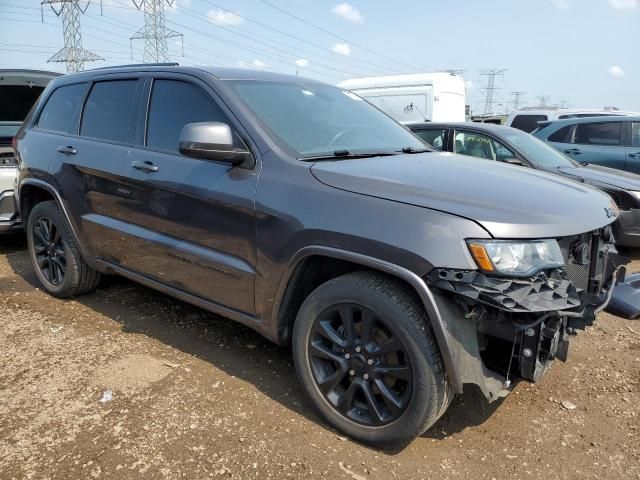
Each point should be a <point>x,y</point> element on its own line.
<point>482,146</point>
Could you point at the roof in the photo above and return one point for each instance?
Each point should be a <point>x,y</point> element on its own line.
<point>608,119</point>
<point>488,127</point>
<point>219,73</point>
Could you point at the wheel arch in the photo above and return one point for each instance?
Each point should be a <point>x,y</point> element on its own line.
<point>313,265</point>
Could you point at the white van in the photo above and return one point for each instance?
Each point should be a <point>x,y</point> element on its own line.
<point>527,119</point>
<point>422,97</point>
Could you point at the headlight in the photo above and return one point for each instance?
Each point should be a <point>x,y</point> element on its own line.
<point>515,257</point>
<point>8,159</point>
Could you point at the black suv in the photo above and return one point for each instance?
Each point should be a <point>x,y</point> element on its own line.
<point>397,274</point>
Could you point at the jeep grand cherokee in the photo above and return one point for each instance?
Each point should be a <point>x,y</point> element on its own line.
<point>397,274</point>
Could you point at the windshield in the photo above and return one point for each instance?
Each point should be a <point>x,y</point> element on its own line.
<point>540,154</point>
<point>315,120</point>
<point>9,129</point>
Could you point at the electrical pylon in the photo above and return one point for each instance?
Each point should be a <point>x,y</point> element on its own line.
<point>155,32</point>
<point>73,54</point>
<point>491,75</point>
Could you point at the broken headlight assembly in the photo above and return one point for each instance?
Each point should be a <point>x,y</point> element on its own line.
<point>516,258</point>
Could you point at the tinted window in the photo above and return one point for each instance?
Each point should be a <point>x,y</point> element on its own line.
<point>108,110</point>
<point>527,123</point>
<point>173,105</point>
<point>61,111</point>
<point>434,138</point>
<point>598,133</point>
<point>561,135</point>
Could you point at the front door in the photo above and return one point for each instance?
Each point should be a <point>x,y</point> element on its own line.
<point>600,143</point>
<point>192,221</point>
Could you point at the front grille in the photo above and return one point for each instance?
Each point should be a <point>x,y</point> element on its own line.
<point>577,259</point>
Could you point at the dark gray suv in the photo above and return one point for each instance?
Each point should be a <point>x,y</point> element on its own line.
<point>397,274</point>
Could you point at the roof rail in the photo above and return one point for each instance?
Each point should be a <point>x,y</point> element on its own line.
<point>165,64</point>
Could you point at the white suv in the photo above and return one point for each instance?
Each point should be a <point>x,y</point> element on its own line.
<point>19,90</point>
<point>527,120</point>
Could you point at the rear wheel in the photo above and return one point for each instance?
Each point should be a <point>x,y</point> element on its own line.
<point>56,259</point>
<point>367,358</point>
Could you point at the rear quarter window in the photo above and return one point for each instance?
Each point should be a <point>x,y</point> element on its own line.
<point>527,123</point>
<point>60,113</point>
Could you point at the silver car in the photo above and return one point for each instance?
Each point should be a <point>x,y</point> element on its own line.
<point>19,90</point>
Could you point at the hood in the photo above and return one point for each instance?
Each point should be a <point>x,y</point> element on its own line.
<point>508,201</point>
<point>604,175</point>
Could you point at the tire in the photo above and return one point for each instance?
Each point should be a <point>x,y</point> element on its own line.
<point>350,387</point>
<point>54,254</point>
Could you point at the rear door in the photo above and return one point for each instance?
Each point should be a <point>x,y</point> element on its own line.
<point>83,130</point>
<point>601,143</point>
<point>633,147</point>
<point>192,221</point>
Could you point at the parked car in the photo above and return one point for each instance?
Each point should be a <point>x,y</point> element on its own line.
<point>437,97</point>
<point>509,145</point>
<point>611,142</point>
<point>19,89</point>
<point>397,274</point>
<point>528,119</point>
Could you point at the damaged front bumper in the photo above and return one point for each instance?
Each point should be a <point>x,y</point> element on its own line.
<point>506,327</point>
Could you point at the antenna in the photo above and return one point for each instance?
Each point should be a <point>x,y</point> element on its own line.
<point>73,54</point>
<point>516,99</point>
<point>155,32</point>
<point>491,75</point>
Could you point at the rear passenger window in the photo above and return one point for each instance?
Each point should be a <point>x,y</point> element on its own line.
<point>434,138</point>
<point>174,104</point>
<point>562,135</point>
<point>61,110</point>
<point>527,123</point>
<point>598,133</point>
<point>635,134</point>
<point>107,112</point>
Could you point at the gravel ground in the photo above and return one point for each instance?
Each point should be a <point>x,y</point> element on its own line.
<point>197,396</point>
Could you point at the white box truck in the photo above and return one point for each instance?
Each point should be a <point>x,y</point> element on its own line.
<point>434,97</point>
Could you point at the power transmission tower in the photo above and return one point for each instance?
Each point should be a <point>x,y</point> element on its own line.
<point>491,75</point>
<point>542,100</point>
<point>155,32</point>
<point>73,54</point>
<point>516,99</point>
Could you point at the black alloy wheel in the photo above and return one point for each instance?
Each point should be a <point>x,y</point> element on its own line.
<point>360,364</point>
<point>49,251</point>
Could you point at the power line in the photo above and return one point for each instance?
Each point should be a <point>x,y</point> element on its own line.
<point>155,32</point>
<point>517,99</point>
<point>491,88</point>
<point>306,22</point>
<point>72,53</point>
<point>542,100</point>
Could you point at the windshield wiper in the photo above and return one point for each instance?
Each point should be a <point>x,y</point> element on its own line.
<point>414,150</point>
<point>345,154</point>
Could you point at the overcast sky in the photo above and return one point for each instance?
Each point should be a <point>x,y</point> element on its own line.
<point>584,52</point>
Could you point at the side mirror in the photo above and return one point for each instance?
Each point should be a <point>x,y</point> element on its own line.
<point>211,141</point>
<point>513,161</point>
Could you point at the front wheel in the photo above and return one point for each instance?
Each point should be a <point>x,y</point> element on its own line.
<point>367,358</point>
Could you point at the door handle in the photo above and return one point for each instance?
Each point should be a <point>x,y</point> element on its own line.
<point>67,150</point>
<point>144,166</point>
<point>572,151</point>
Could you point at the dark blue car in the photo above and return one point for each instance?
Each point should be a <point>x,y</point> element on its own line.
<point>609,141</point>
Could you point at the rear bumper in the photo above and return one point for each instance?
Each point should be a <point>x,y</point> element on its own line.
<point>9,218</point>
<point>626,229</point>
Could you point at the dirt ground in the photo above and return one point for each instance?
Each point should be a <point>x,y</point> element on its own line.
<point>197,396</point>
